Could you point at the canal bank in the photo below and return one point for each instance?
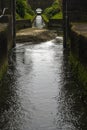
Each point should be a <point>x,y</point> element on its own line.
<point>6,43</point>
<point>78,56</point>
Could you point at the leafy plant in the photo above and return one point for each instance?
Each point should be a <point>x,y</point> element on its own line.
<point>52,10</point>
<point>23,9</point>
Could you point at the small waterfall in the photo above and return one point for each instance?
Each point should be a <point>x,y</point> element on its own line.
<point>38,22</point>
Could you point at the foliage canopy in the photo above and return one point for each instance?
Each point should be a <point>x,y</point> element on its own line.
<point>53,10</point>
<point>23,10</point>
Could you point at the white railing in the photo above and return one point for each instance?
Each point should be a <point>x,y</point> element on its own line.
<point>3,12</point>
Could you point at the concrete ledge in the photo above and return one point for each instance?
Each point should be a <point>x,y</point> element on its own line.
<point>80,28</point>
<point>21,24</point>
<point>3,27</point>
<point>34,35</point>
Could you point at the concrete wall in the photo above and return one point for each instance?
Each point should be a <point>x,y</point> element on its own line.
<point>21,24</point>
<point>3,49</point>
<point>6,42</point>
<point>78,57</point>
<point>78,45</point>
<point>7,19</point>
<point>7,33</point>
<point>73,11</point>
<point>76,10</point>
<point>5,4</point>
<point>55,23</point>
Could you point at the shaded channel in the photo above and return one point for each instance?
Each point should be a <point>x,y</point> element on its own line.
<point>39,93</point>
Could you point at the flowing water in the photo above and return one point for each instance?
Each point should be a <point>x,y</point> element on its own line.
<point>38,22</point>
<point>39,93</point>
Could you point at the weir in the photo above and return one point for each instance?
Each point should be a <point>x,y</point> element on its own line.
<point>38,21</point>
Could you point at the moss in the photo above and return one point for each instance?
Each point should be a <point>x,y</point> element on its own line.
<point>28,16</point>
<point>18,17</point>
<point>58,16</point>
<point>24,10</point>
<point>45,18</point>
<point>79,70</point>
<point>53,10</point>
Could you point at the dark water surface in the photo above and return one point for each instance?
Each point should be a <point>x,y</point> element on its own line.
<point>39,93</point>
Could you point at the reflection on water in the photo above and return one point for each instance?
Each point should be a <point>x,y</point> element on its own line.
<point>39,93</point>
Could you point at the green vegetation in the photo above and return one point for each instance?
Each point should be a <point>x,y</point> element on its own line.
<point>23,10</point>
<point>79,71</point>
<point>18,16</point>
<point>53,12</point>
<point>45,18</point>
<point>58,16</point>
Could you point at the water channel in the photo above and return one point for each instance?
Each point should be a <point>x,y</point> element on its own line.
<point>39,91</point>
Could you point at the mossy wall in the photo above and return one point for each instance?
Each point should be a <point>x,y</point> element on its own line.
<point>21,24</point>
<point>79,70</point>
<point>6,42</point>
<point>79,45</point>
<point>7,32</point>
<point>3,50</point>
<point>78,56</point>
